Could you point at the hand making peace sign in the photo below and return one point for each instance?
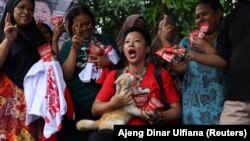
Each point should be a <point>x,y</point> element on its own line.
<point>10,30</point>
<point>77,40</point>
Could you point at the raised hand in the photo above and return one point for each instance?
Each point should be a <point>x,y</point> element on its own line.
<point>77,40</point>
<point>10,30</point>
<point>58,31</point>
<point>166,30</point>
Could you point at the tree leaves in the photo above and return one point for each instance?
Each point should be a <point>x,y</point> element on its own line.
<point>110,14</point>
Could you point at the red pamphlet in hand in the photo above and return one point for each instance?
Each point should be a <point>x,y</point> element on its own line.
<point>199,33</point>
<point>172,55</point>
<point>55,20</point>
<point>95,49</point>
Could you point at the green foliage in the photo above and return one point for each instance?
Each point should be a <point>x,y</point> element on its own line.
<point>110,14</point>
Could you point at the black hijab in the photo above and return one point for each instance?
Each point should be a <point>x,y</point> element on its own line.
<point>23,51</point>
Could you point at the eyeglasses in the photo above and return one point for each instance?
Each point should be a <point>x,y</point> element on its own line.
<point>23,7</point>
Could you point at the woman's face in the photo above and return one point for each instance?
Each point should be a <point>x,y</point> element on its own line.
<point>204,12</point>
<point>42,12</point>
<point>83,26</point>
<point>135,48</point>
<point>23,12</point>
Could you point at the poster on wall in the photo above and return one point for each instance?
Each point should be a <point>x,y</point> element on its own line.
<point>2,5</point>
<point>47,9</point>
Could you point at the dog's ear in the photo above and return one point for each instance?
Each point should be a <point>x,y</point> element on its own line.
<point>119,81</point>
<point>124,81</point>
<point>121,78</point>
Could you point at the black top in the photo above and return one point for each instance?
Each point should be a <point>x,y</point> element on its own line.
<point>234,47</point>
<point>23,51</point>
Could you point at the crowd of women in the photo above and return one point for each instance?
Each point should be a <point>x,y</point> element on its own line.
<point>200,90</point>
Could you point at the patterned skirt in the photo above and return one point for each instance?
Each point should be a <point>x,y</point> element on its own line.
<point>13,113</point>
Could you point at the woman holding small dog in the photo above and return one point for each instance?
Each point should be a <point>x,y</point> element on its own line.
<point>136,50</point>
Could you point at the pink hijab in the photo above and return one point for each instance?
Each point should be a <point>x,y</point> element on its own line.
<point>130,21</point>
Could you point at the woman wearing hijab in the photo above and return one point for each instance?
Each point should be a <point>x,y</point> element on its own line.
<point>134,20</point>
<point>20,38</point>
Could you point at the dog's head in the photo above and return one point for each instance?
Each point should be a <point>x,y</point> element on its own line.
<point>124,81</point>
